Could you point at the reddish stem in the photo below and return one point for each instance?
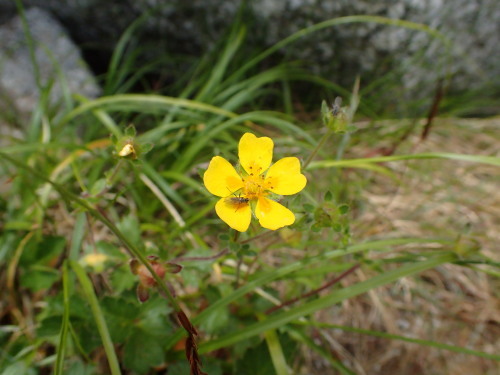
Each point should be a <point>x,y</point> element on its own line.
<point>314,291</point>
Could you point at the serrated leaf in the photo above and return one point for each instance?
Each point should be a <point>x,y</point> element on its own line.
<point>37,280</point>
<point>145,148</point>
<point>122,279</point>
<point>120,307</point>
<point>130,131</point>
<point>308,207</point>
<point>44,251</point>
<point>343,209</point>
<point>248,365</point>
<point>98,187</point>
<point>315,228</point>
<point>110,250</point>
<point>328,196</point>
<point>215,321</point>
<point>49,327</point>
<point>130,226</point>
<point>142,351</point>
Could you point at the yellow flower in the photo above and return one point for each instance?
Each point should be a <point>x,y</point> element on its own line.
<point>250,189</point>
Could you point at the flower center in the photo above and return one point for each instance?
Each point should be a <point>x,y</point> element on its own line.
<point>254,186</point>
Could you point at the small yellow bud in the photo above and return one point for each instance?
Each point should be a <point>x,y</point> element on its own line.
<point>94,260</point>
<point>127,150</point>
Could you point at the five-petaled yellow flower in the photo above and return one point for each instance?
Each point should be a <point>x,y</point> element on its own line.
<point>240,193</point>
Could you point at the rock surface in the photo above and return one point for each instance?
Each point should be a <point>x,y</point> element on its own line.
<point>339,53</point>
<point>60,68</point>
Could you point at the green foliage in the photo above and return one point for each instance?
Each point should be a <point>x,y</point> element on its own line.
<point>79,207</point>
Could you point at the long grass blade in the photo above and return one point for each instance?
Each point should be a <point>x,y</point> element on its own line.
<point>63,335</point>
<point>335,22</point>
<point>142,103</point>
<point>283,318</point>
<point>389,336</point>
<point>102,327</point>
<point>352,163</point>
<point>266,277</point>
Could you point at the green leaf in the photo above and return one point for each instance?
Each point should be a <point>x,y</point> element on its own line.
<point>122,279</point>
<point>130,131</point>
<point>155,318</point>
<point>102,327</point>
<point>343,209</point>
<point>79,368</point>
<point>98,187</point>
<point>49,327</point>
<point>18,368</point>
<point>39,279</point>
<point>179,368</point>
<point>328,196</point>
<point>44,251</point>
<point>142,351</point>
<point>308,207</point>
<point>146,147</point>
<point>256,361</point>
<point>130,225</point>
<point>110,250</point>
<point>120,307</point>
<point>215,321</point>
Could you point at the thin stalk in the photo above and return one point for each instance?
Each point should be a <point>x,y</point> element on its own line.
<point>98,317</point>
<point>314,291</point>
<point>31,44</point>
<point>276,352</point>
<point>111,177</point>
<point>320,144</point>
<point>240,260</point>
<point>133,250</point>
<point>63,335</point>
<point>390,336</point>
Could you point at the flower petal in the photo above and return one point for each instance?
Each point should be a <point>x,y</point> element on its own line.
<point>273,215</point>
<point>237,216</point>
<point>221,178</point>
<point>255,154</point>
<point>284,177</point>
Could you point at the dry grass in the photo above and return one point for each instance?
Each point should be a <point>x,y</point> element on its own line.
<point>452,304</point>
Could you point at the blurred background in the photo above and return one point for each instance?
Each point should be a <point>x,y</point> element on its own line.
<point>420,83</point>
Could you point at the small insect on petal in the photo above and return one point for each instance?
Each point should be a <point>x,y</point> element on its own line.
<point>237,202</point>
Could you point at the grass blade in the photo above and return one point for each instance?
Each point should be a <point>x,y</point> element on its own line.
<point>102,327</point>
<point>283,318</point>
<point>267,277</point>
<point>352,163</point>
<point>433,344</point>
<point>63,335</point>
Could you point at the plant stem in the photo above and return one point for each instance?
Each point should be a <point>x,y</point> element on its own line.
<point>317,148</point>
<point>63,335</point>
<point>132,249</point>
<point>111,177</point>
<point>98,317</point>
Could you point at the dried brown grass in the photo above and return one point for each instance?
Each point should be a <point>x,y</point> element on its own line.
<point>451,304</point>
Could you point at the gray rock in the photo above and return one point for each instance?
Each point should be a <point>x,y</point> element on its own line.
<point>339,53</point>
<point>59,66</point>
